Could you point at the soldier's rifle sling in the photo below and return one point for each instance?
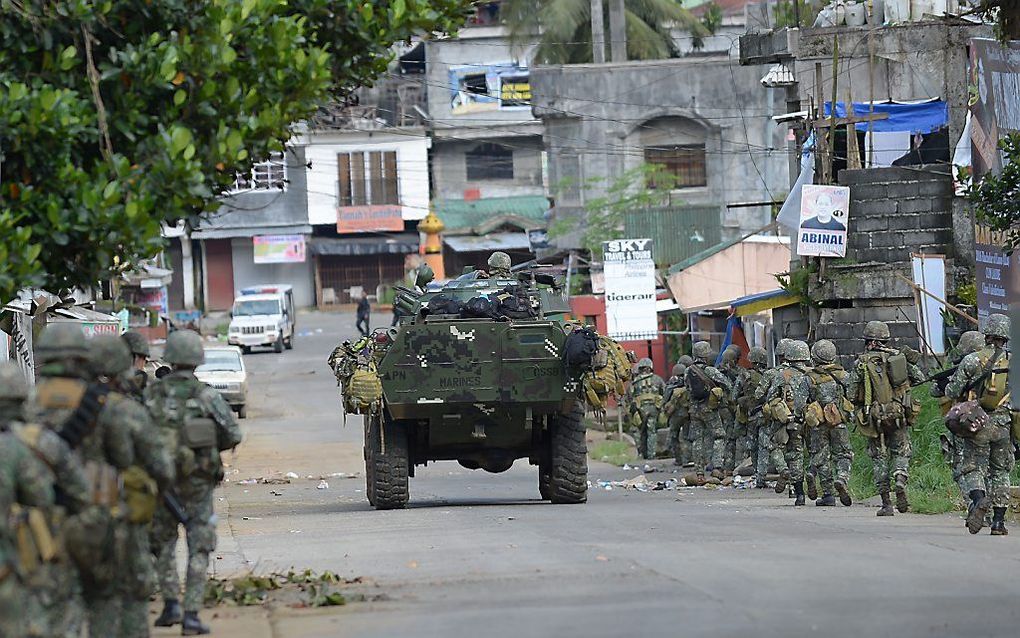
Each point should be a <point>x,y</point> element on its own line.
<point>174,507</point>
<point>82,421</point>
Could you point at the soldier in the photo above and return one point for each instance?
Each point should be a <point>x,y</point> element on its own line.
<point>675,411</point>
<point>772,434</point>
<point>880,390</point>
<point>735,430</point>
<point>748,410</point>
<point>153,470</point>
<point>645,400</point>
<point>983,376</point>
<point>952,445</point>
<point>786,398</point>
<point>139,347</point>
<point>707,389</point>
<point>69,401</point>
<point>499,265</point>
<point>826,421</point>
<point>195,421</point>
<point>24,482</point>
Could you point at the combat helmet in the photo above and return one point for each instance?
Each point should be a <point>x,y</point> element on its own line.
<point>109,355</point>
<point>702,351</point>
<point>876,331</point>
<point>678,370</point>
<point>60,342</point>
<point>758,356</point>
<point>644,363</point>
<point>970,341</point>
<point>798,351</point>
<point>13,385</point>
<point>184,348</point>
<point>781,347</point>
<point>136,343</point>
<point>499,260</point>
<point>731,353</point>
<point>997,326</point>
<point>685,360</point>
<point>823,351</point>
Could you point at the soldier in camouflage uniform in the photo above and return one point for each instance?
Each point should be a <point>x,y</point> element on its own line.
<point>499,265</point>
<point>197,423</point>
<point>785,397</point>
<point>645,401</point>
<point>748,410</point>
<point>885,420</point>
<point>24,482</point>
<point>69,401</point>
<point>735,429</point>
<point>707,389</point>
<point>988,452</point>
<point>770,431</point>
<point>674,409</point>
<point>153,470</point>
<point>139,347</point>
<point>827,420</point>
<point>952,445</point>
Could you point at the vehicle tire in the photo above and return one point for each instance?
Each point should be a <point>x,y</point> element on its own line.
<point>245,349</point>
<point>387,470</point>
<point>278,346</point>
<point>568,454</point>
<point>369,474</point>
<point>544,488</point>
<point>288,343</point>
<point>242,411</point>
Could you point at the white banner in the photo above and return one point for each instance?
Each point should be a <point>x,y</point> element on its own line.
<point>629,272</point>
<point>930,274</point>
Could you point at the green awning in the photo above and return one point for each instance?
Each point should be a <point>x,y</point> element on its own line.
<point>460,214</point>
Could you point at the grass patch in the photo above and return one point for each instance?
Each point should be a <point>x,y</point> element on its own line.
<point>222,329</point>
<point>612,452</point>
<point>931,487</point>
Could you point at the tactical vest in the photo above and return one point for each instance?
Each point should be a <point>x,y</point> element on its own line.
<point>185,426</point>
<point>645,390</point>
<point>992,390</point>
<point>830,407</point>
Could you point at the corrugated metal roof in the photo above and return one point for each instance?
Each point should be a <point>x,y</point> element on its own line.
<point>492,241</point>
<point>679,231</point>
<point>459,213</point>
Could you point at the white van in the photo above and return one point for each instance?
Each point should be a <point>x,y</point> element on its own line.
<point>263,316</point>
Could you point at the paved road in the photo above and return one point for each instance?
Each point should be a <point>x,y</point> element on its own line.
<point>479,554</point>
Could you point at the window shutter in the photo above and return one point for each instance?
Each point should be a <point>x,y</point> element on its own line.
<point>343,161</point>
<point>390,184</point>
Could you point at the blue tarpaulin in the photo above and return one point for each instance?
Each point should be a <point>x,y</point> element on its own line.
<point>921,117</point>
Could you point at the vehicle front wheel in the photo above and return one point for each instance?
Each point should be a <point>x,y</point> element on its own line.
<point>245,349</point>
<point>568,454</point>
<point>288,343</point>
<point>544,478</point>
<point>387,463</point>
<point>242,411</point>
<point>278,346</point>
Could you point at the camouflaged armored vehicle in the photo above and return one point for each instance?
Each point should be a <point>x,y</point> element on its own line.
<point>474,373</point>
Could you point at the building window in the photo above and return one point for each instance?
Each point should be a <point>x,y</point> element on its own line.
<point>368,179</point>
<point>270,175</point>
<point>489,161</point>
<point>685,162</point>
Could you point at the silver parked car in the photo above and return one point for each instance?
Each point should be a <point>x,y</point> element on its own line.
<point>224,370</point>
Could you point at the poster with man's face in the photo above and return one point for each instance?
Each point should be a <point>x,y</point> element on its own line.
<point>823,221</point>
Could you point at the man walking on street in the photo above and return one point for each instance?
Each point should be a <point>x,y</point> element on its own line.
<point>197,423</point>
<point>364,315</point>
<point>785,400</point>
<point>826,423</point>
<point>707,389</point>
<point>645,399</point>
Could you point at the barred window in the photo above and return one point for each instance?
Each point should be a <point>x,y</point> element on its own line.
<point>489,161</point>
<point>686,162</point>
<point>270,175</point>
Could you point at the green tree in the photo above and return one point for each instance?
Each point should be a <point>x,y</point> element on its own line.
<point>563,28</point>
<point>996,198</point>
<point>119,115</point>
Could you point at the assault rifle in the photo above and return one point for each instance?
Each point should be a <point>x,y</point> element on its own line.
<point>174,507</point>
<point>941,379</point>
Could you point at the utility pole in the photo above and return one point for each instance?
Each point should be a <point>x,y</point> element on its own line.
<point>618,30</point>
<point>598,33</point>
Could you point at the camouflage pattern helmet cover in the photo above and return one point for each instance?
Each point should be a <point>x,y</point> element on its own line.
<point>758,356</point>
<point>823,351</point>
<point>997,326</point>
<point>798,351</point>
<point>970,341</point>
<point>109,355</point>
<point>702,351</point>
<point>13,385</point>
<point>685,359</point>
<point>184,348</point>
<point>644,363</point>
<point>782,346</point>
<point>499,261</point>
<point>136,343</point>
<point>731,353</point>
<point>678,370</point>
<point>876,331</point>
<point>61,341</point>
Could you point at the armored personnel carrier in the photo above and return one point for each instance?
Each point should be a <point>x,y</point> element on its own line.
<point>474,373</point>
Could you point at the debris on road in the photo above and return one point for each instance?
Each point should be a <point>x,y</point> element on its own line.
<point>323,485</point>
<point>292,589</point>
<point>291,475</point>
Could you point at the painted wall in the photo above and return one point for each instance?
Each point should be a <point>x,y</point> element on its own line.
<point>411,147</point>
<point>248,273</point>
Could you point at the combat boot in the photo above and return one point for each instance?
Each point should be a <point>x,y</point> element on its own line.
<point>827,500</point>
<point>887,508</point>
<point>759,483</point>
<point>781,482</point>
<point>844,494</point>
<point>192,626</point>
<point>812,487</point>
<point>901,494</point>
<point>171,614</point>
<point>979,506</point>
<point>719,474</point>
<point>999,522</point>
<point>798,490</point>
